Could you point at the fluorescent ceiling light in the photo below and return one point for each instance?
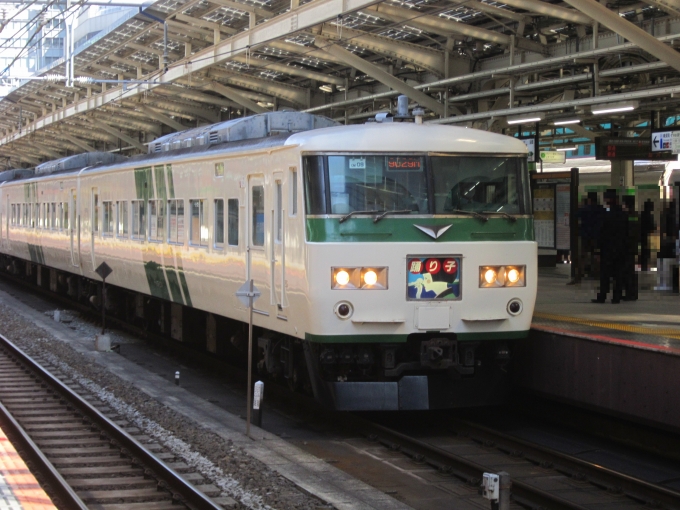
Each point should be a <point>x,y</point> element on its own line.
<point>565,149</point>
<point>566,122</point>
<point>615,108</point>
<point>536,117</point>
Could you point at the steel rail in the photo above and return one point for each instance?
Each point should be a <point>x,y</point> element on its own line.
<point>181,490</point>
<point>59,487</point>
<point>464,469</point>
<point>600,476</point>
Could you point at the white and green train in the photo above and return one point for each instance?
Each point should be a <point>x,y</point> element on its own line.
<point>396,260</point>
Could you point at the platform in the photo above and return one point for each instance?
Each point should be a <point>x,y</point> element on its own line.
<point>623,358</point>
<point>19,490</point>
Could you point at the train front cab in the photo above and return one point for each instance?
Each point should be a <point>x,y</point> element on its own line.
<point>422,274</point>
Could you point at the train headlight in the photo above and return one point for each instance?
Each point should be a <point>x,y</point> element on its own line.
<point>370,277</point>
<point>502,276</point>
<point>364,278</point>
<point>342,277</point>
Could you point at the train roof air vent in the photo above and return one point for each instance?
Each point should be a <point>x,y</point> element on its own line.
<point>245,128</point>
<point>78,161</point>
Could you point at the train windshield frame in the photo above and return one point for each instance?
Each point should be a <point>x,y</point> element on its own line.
<point>416,184</point>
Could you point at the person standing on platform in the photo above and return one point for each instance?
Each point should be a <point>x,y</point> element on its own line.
<point>632,249</point>
<point>613,241</point>
<point>647,228</point>
<point>589,218</point>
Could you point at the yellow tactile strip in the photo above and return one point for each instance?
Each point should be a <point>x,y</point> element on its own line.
<point>629,328</point>
<point>18,487</point>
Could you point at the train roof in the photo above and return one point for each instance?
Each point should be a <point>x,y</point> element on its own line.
<point>406,137</point>
<point>372,137</point>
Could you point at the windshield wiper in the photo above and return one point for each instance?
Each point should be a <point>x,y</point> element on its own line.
<point>381,216</point>
<point>471,213</point>
<point>504,214</point>
<point>348,216</point>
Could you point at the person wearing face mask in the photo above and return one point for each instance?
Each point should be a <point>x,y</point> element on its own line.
<point>613,249</point>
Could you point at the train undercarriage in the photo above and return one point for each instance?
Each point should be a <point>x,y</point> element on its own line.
<point>428,371</point>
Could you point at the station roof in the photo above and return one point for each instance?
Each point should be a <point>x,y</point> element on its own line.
<point>474,63</point>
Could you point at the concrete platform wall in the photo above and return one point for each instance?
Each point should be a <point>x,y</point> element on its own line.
<point>639,383</point>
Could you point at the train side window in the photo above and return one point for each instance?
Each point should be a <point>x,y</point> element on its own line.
<point>123,220</point>
<point>156,220</point>
<point>53,216</point>
<point>64,216</point>
<point>292,208</point>
<point>108,218</point>
<point>315,184</point>
<point>219,223</point>
<point>36,216</point>
<point>138,219</point>
<point>198,234</point>
<point>232,225</point>
<point>176,221</point>
<point>258,215</point>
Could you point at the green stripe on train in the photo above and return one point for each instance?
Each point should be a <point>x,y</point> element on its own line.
<point>170,291</point>
<point>143,183</point>
<point>171,183</point>
<point>35,252</point>
<point>402,229</point>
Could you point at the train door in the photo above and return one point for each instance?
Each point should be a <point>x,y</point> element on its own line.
<point>278,246</point>
<point>74,228</point>
<point>258,267</point>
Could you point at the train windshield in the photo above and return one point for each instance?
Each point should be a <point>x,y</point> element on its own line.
<point>415,184</point>
<point>479,184</point>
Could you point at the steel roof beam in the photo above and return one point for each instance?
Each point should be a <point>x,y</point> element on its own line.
<point>305,51</point>
<point>490,9</point>
<point>162,118</point>
<point>194,95</point>
<point>383,77</point>
<point>184,109</point>
<point>626,29</point>
<point>426,58</point>
<point>291,70</point>
<point>237,97</point>
<point>551,10</point>
<point>290,93</point>
<point>127,122</point>
<point>44,149</point>
<point>81,144</point>
<point>100,124</point>
<point>260,11</point>
<point>545,107</point>
<point>304,18</point>
<point>445,27</point>
<point>665,5</point>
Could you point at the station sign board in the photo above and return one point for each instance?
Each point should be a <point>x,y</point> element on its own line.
<point>553,156</point>
<point>532,146</point>
<point>668,140</point>
<point>629,149</point>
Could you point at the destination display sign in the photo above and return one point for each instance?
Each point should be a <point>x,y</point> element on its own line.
<point>628,149</point>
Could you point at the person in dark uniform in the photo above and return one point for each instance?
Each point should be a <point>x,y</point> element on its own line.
<point>632,249</point>
<point>613,249</point>
<point>647,228</point>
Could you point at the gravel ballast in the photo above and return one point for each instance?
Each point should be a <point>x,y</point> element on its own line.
<point>240,476</point>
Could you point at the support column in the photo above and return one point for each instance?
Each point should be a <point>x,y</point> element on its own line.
<point>623,175</point>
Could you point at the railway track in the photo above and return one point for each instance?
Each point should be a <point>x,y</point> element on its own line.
<point>86,458</point>
<point>541,477</point>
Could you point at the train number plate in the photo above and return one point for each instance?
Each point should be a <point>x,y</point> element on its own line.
<point>433,278</point>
